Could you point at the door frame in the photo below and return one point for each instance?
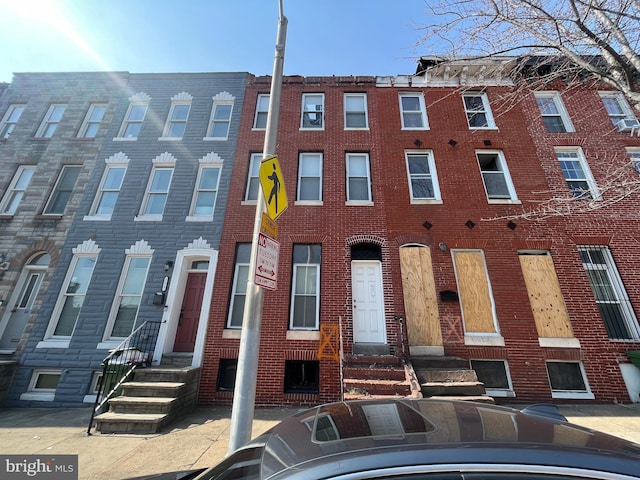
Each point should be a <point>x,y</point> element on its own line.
<point>383,322</point>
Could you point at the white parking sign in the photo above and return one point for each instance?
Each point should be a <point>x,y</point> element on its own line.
<point>266,274</point>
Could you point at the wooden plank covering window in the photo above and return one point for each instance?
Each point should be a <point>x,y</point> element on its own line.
<point>545,297</point>
<point>474,293</point>
<point>420,301</point>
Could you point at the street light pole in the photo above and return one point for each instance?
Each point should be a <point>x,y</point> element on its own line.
<point>244,394</point>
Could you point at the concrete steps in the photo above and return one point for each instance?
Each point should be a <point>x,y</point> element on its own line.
<point>374,376</point>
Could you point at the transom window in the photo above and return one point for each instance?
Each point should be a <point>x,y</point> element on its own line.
<point>476,106</point>
<point>51,121</point>
<point>355,111</point>
<point>554,115</point>
<point>92,120</point>
<point>413,111</point>
<point>10,120</point>
<point>358,178</point>
<point>495,176</point>
<point>577,174</point>
<point>312,111</point>
<point>305,295</point>
<point>310,177</point>
<point>17,189</point>
<point>423,181</point>
<point>239,287</point>
<point>262,111</point>
<point>62,190</point>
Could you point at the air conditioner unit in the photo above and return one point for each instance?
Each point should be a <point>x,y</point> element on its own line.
<point>628,125</point>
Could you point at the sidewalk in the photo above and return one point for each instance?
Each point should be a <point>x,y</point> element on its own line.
<point>198,440</point>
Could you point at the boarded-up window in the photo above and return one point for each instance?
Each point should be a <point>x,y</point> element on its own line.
<point>545,297</point>
<point>474,291</point>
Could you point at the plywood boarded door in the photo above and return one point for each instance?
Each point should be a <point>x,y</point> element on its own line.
<point>420,301</point>
<point>474,292</point>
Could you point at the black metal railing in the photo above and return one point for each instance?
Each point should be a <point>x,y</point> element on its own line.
<point>135,351</point>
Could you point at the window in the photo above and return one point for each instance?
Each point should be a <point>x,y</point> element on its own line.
<point>423,182</point>
<point>302,376</point>
<point>495,175</point>
<point>129,292</point>
<point>16,190</point>
<point>227,374</point>
<point>568,380</point>
<point>204,197</point>
<point>577,174</point>
<point>42,386</point>
<point>312,111</point>
<point>413,111</point>
<point>157,192</point>
<point>305,295</point>
<point>50,121</point>
<point>62,190</point>
<point>10,120</point>
<point>494,374</point>
<point>91,123</point>
<point>355,111</point>
<point>239,288</point>
<point>610,294</point>
<point>476,106</point>
<point>554,115</point>
<point>132,123</point>
<point>634,155</point>
<point>310,177</point>
<point>178,114</point>
<point>358,178</point>
<point>220,121</point>
<point>74,289</point>
<point>616,106</point>
<point>262,111</point>
<point>253,180</point>
<point>107,195</point>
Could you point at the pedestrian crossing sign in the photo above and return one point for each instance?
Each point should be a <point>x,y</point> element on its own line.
<point>275,195</point>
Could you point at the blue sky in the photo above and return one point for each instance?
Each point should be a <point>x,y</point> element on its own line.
<point>324,37</point>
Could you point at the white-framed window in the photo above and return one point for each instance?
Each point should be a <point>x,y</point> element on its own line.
<point>495,376</point>
<point>554,115</point>
<point>92,120</point>
<point>253,178</point>
<point>568,380</point>
<point>421,170</point>
<point>16,190</point>
<point>176,123</point>
<point>356,116</point>
<point>126,303</point>
<point>310,177</point>
<point>495,175</point>
<point>478,110</point>
<point>262,111</point>
<point>220,121</point>
<point>132,123</point>
<point>617,107</point>
<point>634,156</point>
<point>62,191</point>
<point>358,178</point>
<point>10,119</point>
<point>312,111</point>
<point>203,204</point>
<point>305,289</point>
<point>610,294</point>
<point>155,197</point>
<point>413,112</point>
<point>107,194</point>
<point>50,121</point>
<point>42,386</point>
<point>239,287</point>
<point>577,173</point>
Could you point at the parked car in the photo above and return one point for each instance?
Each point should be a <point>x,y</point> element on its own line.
<point>427,439</point>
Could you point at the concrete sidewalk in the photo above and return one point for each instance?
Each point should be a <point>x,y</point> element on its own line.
<point>198,440</point>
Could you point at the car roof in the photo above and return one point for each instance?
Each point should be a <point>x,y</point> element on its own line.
<point>344,436</point>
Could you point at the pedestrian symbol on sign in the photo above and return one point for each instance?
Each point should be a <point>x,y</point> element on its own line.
<point>273,189</point>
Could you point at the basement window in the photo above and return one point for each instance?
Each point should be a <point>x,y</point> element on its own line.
<point>568,380</point>
<point>227,374</point>
<point>301,376</point>
<point>495,376</point>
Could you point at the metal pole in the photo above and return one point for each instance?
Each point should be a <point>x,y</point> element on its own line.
<point>244,394</point>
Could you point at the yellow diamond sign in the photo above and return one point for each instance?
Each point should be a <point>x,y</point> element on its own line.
<point>273,189</point>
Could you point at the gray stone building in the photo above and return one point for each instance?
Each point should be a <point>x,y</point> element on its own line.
<point>143,243</point>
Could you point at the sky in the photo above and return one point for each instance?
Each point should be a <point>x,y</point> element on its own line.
<point>324,37</point>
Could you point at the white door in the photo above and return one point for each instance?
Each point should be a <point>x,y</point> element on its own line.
<point>368,304</point>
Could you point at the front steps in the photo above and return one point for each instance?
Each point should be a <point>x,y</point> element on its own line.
<point>152,399</point>
<point>366,376</point>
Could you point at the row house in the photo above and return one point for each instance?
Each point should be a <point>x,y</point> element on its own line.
<point>425,222</point>
<point>142,246</point>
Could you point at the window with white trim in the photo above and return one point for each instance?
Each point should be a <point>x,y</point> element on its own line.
<point>423,181</point>
<point>495,376</point>
<point>220,121</point>
<point>413,112</point>
<point>305,287</point>
<point>610,294</point>
<point>178,114</point>
<point>634,156</point>
<point>310,177</point>
<point>477,109</point>
<point>554,115</point>
<point>262,111</point>
<point>312,111</point>
<point>617,107</point>
<point>16,190</point>
<point>10,119</point>
<point>253,179</point>
<point>239,286</point>
<point>355,111</point>
<point>577,173</point>
<point>107,195</point>
<point>126,304</point>
<point>495,175</point>
<point>132,123</point>
<point>42,385</point>
<point>92,120</point>
<point>62,191</point>
<point>358,178</point>
<point>155,197</point>
<point>50,121</point>
<point>206,192</point>
<point>568,380</point>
